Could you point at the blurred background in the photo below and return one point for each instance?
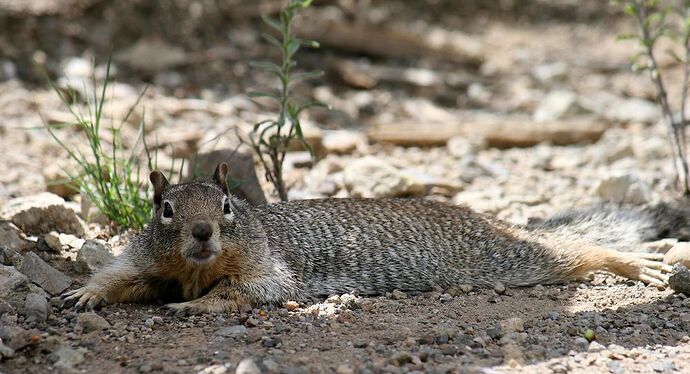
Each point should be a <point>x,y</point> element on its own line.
<point>511,106</point>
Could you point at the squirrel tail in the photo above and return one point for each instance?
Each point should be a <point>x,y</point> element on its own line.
<point>623,228</point>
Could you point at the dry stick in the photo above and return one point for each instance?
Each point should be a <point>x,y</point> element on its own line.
<point>680,126</point>
<point>662,98</point>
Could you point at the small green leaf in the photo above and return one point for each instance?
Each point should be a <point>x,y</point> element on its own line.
<point>272,40</point>
<point>274,23</point>
<point>292,47</point>
<point>268,66</point>
<point>257,94</point>
<point>306,75</point>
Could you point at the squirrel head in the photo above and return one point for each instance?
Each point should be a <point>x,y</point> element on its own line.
<point>188,217</point>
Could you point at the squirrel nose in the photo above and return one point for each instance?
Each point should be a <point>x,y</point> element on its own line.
<point>202,230</point>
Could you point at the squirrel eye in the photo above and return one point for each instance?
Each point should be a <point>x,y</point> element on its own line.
<point>167,210</point>
<point>226,207</point>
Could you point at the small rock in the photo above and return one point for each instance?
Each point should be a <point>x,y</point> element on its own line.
<point>232,331</point>
<point>550,71</point>
<point>44,275</point>
<point>461,146</point>
<point>515,324</point>
<point>558,105</point>
<point>663,366</point>
<point>500,288</point>
<point>90,321</point>
<point>10,257</point>
<point>342,141</point>
<point>43,213</point>
<point>624,188</point>
<point>10,237</point>
<point>145,368</point>
<point>466,288</point>
<point>67,358</point>
<point>247,366</point>
<point>595,347</point>
<point>14,286</point>
<point>344,369</point>
<point>16,337</point>
<point>291,305</point>
<point>371,177</point>
<point>400,358</point>
<point>36,306</point>
<point>5,351</point>
<point>53,240</point>
<point>93,256</point>
<point>58,181</point>
<point>581,343</point>
<point>398,295</point>
<point>241,170</point>
<point>679,254</point>
<point>680,282</point>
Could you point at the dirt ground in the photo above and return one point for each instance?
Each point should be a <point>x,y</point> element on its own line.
<point>527,50</point>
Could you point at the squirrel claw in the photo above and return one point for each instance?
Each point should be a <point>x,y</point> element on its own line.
<point>84,298</point>
<point>183,309</point>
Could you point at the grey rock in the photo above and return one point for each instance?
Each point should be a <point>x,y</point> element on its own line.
<point>42,213</point>
<point>242,179</point>
<point>14,286</point>
<point>232,331</point>
<point>16,337</point>
<point>595,347</point>
<point>11,238</point>
<point>90,321</point>
<point>558,105</point>
<point>663,366</point>
<point>36,306</point>
<point>370,177</point>
<point>67,358</point>
<point>247,366</point>
<point>93,256</point>
<point>624,188</point>
<point>581,343</point>
<point>680,282</point>
<point>342,141</point>
<point>10,257</point>
<point>38,271</point>
<point>5,352</point>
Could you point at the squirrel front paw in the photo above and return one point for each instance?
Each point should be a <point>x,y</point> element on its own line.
<point>87,297</point>
<point>201,306</point>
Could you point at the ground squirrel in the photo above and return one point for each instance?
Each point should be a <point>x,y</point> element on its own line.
<point>220,253</point>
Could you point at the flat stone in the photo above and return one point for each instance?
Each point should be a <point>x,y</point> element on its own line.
<point>247,366</point>
<point>14,286</point>
<point>90,321</point>
<point>232,331</point>
<point>67,358</point>
<point>36,306</point>
<point>47,277</point>
<point>10,237</point>
<point>242,179</point>
<point>680,282</point>
<point>42,213</point>
<point>93,256</point>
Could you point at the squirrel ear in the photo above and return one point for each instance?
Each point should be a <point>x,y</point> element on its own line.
<point>159,182</point>
<point>220,176</point>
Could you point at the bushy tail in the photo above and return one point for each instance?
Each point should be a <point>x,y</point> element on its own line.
<point>623,228</point>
